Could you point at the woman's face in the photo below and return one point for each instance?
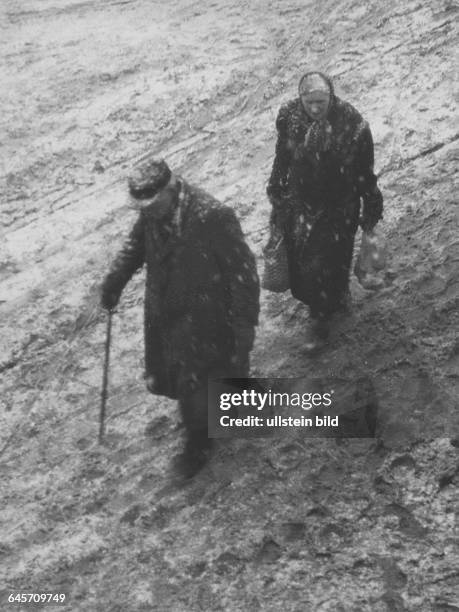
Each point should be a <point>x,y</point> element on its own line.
<point>316,104</point>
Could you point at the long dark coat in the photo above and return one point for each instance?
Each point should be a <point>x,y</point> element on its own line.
<point>201,293</point>
<point>316,200</point>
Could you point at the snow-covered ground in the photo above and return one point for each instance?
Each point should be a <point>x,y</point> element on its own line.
<point>309,525</point>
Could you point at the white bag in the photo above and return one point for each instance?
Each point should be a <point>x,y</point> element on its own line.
<point>371,260</point>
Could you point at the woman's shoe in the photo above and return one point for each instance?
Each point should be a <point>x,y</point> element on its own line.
<point>316,334</point>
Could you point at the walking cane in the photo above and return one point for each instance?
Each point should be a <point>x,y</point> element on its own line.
<point>103,396</point>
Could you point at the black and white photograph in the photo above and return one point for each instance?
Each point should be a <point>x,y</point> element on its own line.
<point>229,306</point>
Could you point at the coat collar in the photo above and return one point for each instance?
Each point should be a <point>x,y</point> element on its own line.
<point>177,221</point>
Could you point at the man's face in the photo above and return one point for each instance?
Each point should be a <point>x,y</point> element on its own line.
<point>161,206</point>
<point>316,104</point>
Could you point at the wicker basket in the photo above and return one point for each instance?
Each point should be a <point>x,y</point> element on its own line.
<point>275,274</point>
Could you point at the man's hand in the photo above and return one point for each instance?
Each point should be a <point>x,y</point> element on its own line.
<point>108,297</point>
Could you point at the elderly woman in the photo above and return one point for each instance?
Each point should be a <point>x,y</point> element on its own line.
<point>323,168</point>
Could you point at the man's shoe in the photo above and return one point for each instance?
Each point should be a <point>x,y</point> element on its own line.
<point>195,454</point>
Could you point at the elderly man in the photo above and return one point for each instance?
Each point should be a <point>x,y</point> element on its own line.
<point>322,170</point>
<point>201,295</point>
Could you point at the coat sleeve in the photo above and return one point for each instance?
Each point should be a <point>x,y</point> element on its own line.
<point>367,181</point>
<point>239,271</point>
<point>277,185</point>
<point>130,258</point>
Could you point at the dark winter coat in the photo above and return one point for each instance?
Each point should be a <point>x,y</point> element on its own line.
<point>201,294</point>
<point>316,199</point>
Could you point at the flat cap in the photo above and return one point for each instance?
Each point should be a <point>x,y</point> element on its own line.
<point>149,178</point>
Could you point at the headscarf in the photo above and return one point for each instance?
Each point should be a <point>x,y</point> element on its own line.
<point>314,81</point>
<point>318,135</point>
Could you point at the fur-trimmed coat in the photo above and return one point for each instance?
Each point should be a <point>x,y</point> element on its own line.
<point>201,293</point>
